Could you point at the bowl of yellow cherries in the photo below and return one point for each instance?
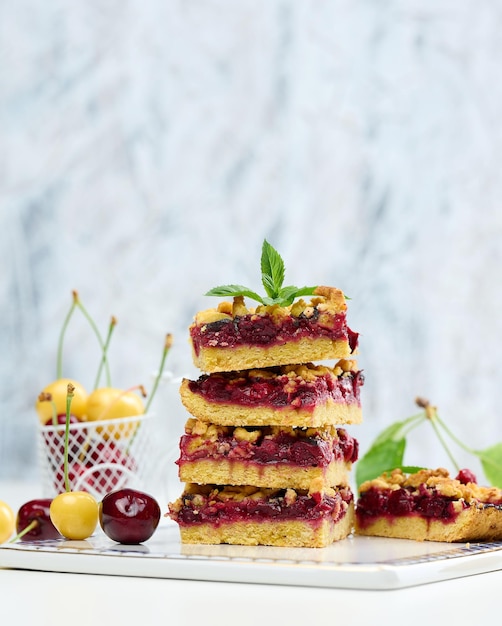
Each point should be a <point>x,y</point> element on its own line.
<point>100,440</point>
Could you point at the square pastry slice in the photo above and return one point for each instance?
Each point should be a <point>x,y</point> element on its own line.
<point>429,505</point>
<point>268,456</point>
<point>212,514</point>
<point>233,337</point>
<point>292,395</point>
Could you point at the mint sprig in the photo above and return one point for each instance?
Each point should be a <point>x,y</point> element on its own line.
<point>272,277</point>
<point>386,453</point>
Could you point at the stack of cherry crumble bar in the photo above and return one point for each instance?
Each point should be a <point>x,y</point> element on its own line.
<point>265,457</point>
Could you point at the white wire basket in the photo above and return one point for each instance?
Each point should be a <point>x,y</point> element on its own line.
<point>103,456</point>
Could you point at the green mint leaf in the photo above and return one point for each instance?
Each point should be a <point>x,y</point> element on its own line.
<point>289,294</point>
<point>224,291</point>
<point>382,457</point>
<point>272,270</point>
<point>491,461</point>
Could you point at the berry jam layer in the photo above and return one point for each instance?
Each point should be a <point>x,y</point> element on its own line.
<point>319,325</point>
<point>300,386</point>
<point>429,494</point>
<point>217,505</point>
<point>407,501</point>
<point>291,395</point>
<point>254,329</point>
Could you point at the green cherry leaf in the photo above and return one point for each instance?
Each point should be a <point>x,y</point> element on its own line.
<point>491,461</point>
<point>381,457</point>
<point>410,469</point>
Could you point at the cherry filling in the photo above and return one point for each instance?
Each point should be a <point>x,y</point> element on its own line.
<point>257,389</point>
<point>286,447</point>
<point>215,508</point>
<point>407,501</point>
<point>262,330</point>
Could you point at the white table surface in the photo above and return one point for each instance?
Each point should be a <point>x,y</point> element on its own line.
<point>58,598</point>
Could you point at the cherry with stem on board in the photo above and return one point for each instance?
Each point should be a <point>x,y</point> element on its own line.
<point>33,521</point>
<point>73,513</point>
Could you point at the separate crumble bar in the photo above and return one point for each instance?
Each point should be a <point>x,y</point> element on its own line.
<point>295,395</point>
<point>233,337</point>
<point>214,514</point>
<point>429,505</point>
<point>269,456</point>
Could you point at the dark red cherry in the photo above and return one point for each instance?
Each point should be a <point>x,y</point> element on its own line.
<point>36,513</point>
<point>129,516</point>
<point>61,420</point>
<point>466,476</point>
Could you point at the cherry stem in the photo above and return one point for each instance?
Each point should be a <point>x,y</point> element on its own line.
<point>411,423</point>
<point>459,443</point>
<point>33,524</point>
<point>104,358</point>
<point>54,413</point>
<point>98,335</point>
<point>431,415</point>
<point>47,397</point>
<point>59,367</point>
<point>69,398</point>
<point>167,346</point>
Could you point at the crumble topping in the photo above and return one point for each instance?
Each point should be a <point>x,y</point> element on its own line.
<point>439,480</point>
<point>292,378</point>
<point>212,432</point>
<point>328,301</point>
<point>210,498</point>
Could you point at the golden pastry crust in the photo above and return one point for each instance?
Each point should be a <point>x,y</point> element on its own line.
<point>225,472</point>
<point>249,357</point>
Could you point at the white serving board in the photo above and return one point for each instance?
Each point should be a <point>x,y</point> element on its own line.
<point>354,563</point>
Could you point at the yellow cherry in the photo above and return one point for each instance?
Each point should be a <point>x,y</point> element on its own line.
<point>7,521</point>
<point>57,391</point>
<point>75,514</point>
<point>108,403</point>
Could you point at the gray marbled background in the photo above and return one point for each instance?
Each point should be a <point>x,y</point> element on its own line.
<point>146,149</point>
